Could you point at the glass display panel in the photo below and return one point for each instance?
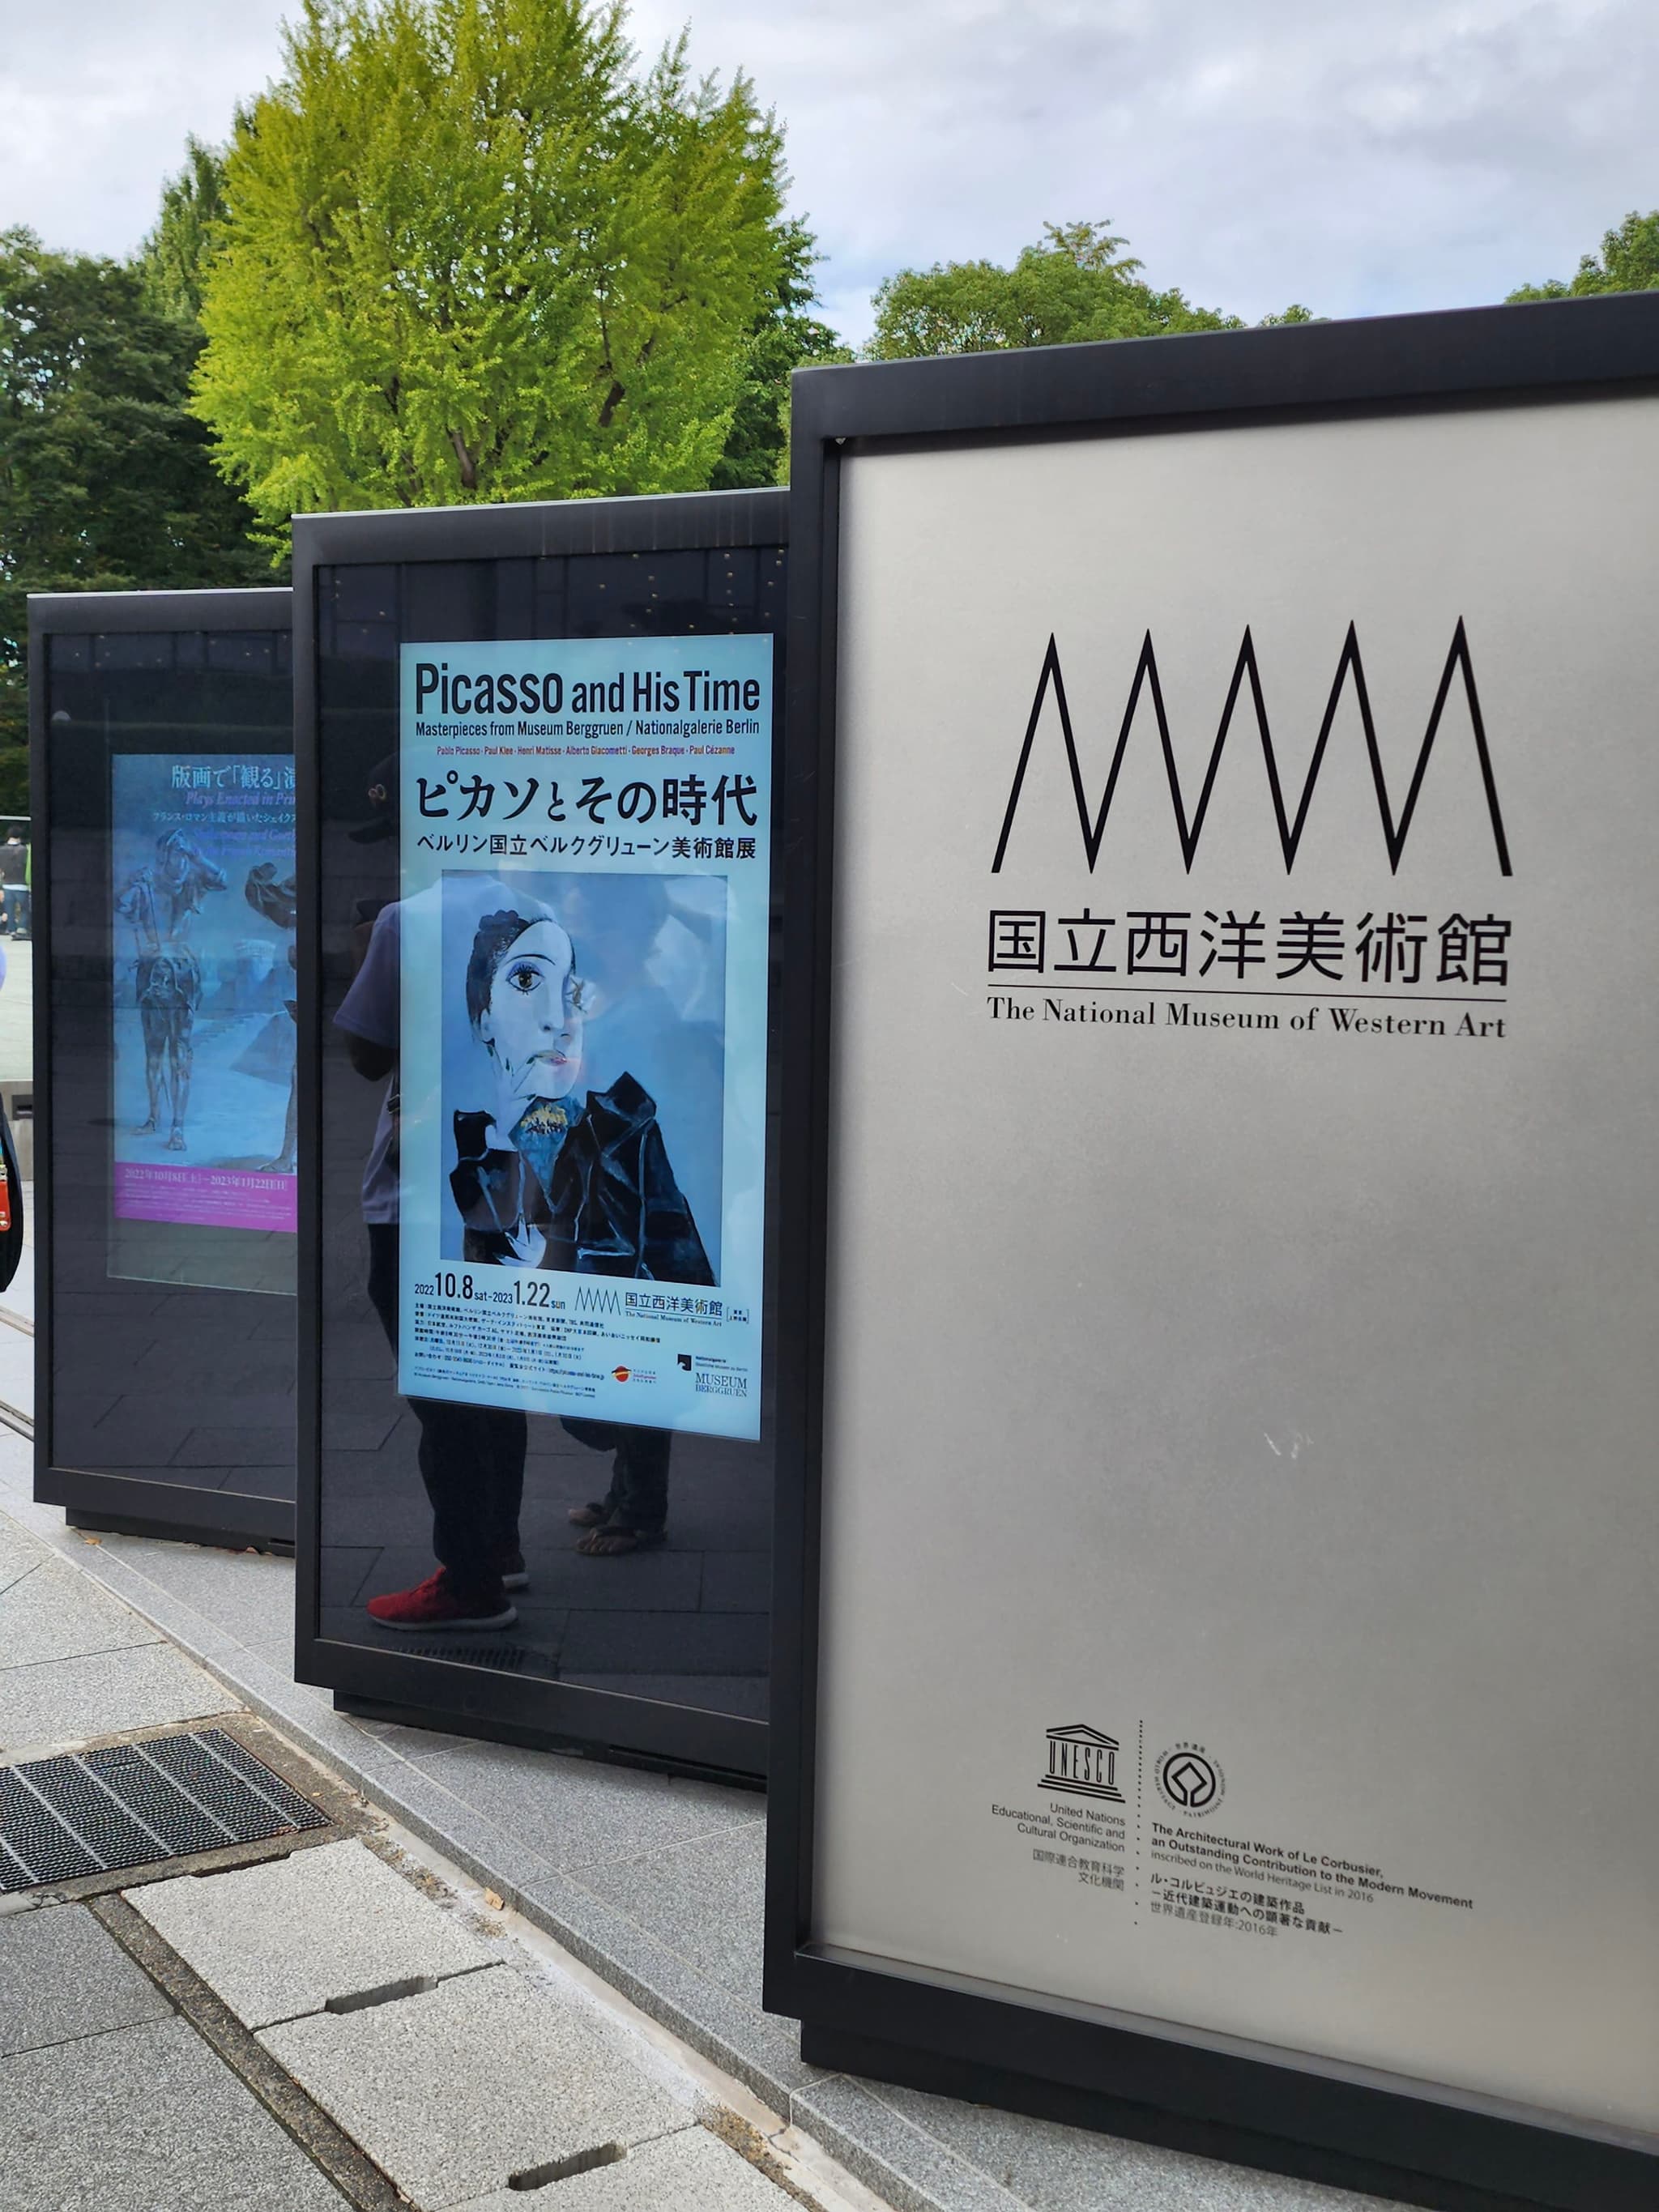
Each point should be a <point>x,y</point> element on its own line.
<point>169,981</point>
<point>202,888</point>
<point>549,1214</point>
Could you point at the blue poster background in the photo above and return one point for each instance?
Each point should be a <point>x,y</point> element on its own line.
<point>586,879</point>
<point>202,864</point>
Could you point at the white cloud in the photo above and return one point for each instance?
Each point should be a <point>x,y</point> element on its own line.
<point>1386,153</point>
<point>98,96</point>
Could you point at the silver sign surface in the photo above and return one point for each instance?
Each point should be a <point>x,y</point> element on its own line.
<point>1240,1499</point>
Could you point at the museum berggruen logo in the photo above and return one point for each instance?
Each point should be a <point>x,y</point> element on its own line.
<point>1459,670</point>
<point>1082,1762</point>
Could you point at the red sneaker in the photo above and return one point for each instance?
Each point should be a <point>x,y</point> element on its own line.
<point>433,1604</point>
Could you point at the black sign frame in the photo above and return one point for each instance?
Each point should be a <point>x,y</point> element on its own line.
<point>92,1498</point>
<point>436,1691</point>
<point>945,2035</point>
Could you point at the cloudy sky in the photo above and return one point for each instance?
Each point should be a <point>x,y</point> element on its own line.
<point>1372,155</point>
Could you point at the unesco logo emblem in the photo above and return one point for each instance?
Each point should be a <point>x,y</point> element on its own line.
<point>1082,1763</point>
<point>1190,1781</point>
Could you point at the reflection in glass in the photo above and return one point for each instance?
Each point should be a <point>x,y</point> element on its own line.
<point>579,1022</point>
<point>167,974</point>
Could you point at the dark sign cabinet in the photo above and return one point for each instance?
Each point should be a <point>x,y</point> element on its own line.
<point>662,1655</point>
<point>164,1079</point>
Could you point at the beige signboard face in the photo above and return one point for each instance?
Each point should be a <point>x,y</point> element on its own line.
<point>1241,1510</point>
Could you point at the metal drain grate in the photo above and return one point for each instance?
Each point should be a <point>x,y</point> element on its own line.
<point>95,1812</point>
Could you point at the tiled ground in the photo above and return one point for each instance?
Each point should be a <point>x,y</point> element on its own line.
<point>131,2118</point>
<point>461,2063</point>
<point>75,1664</point>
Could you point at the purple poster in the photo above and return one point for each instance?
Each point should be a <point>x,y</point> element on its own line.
<point>201,856</point>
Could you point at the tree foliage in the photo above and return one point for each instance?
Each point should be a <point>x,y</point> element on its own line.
<point>1628,262</point>
<point>172,259</point>
<point>784,338</point>
<point>105,480</point>
<point>468,253</point>
<point>1075,286</point>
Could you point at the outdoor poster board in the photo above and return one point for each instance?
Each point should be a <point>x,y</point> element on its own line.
<point>538,961</point>
<point>1244,1706</point>
<point>165,1093</point>
<point>201,916</point>
<point>583,917</point>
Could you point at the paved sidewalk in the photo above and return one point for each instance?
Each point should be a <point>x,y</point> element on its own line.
<point>305,2022</point>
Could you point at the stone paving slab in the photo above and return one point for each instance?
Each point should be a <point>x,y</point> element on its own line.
<point>1060,2169</point>
<point>912,2170</point>
<point>62,1977</point>
<point>56,1614</point>
<point>452,2093</point>
<point>705,1900</point>
<point>145,2119</point>
<point>686,2172</point>
<point>250,1595</point>
<point>67,1700</point>
<point>579,1811</point>
<point>280,1940</point>
<point>20,1552</point>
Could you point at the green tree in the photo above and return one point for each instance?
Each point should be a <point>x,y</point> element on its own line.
<point>172,259</point>
<point>1628,262</point>
<point>784,338</point>
<point>468,253</point>
<point>1075,286</point>
<point>105,478</point>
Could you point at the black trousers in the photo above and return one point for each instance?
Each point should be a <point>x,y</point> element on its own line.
<point>472,1457</point>
<point>472,1461</point>
<point>638,1496</point>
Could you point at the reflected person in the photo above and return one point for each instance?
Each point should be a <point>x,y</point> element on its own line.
<point>471,1457</point>
<point>541,1182</point>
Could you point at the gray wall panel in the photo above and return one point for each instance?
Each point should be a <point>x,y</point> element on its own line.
<point>1286,1392</point>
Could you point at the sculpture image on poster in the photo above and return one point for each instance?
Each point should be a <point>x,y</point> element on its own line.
<point>584,928</point>
<point>202,921</point>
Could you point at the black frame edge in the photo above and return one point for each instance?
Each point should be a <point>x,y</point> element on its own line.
<point>40,934</point>
<point>655,522</point>
<point>308,1256</point>
<point>1459,353</point>
<point>1250,2141</point>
